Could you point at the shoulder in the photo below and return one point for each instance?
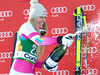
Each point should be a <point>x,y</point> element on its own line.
<point>27,25</point>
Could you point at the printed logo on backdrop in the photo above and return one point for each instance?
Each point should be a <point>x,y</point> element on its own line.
<point>5,74</point>
<point>6,34</point>
<point>90,71</point>
<point>38,73</point>
<point>61,72</point>
<point>5,55</point>
<point>5,14</point>
<point>67,52</point>
<point>59,30</point>
<point>91,7</point>
<point>26,13</point>
<point>56,11</point>
<point>91,51</point>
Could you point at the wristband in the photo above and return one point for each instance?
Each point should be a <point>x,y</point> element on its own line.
<point>59,39</point>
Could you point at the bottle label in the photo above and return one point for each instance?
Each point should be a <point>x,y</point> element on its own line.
<point>50,62</point>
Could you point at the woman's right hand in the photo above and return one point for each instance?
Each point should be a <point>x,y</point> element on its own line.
<point>67,40</point>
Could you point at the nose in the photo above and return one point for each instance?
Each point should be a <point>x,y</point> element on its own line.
<point>44,19</point>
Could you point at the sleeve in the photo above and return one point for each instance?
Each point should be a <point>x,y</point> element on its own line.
<point>28,31</point>
<point>38,64</point>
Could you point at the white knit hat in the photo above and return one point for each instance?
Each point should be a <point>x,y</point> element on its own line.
<point>37,9</point>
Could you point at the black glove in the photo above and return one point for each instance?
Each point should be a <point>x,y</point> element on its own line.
<point>65,40</point>
<point>42,32</point>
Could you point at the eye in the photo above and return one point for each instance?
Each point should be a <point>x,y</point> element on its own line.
<point>45,17</point>
<point>41,17</point>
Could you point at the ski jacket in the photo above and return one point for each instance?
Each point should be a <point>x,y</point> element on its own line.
<point>28,39</point>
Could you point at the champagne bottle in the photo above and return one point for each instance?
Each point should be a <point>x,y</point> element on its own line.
<point>55,56</point>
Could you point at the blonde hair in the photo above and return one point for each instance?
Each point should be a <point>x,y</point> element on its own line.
<point>40,49</point>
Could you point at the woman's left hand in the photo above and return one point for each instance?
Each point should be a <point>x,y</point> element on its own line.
<point>50,70</point>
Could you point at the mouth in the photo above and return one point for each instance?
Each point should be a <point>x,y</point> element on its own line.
<point>41,24</point>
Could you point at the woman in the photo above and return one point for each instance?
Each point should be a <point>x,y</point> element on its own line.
<point>31,42</point>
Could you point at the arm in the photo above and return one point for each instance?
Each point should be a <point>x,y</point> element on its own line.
<point>28,31</point>
<point>42,41</point>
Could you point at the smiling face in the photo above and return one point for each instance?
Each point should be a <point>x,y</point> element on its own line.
<point>40,21</point>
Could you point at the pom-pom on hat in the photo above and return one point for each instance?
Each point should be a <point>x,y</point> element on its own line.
<point>37,9</point>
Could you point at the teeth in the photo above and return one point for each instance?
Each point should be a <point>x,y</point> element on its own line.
<point>41,23</point>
